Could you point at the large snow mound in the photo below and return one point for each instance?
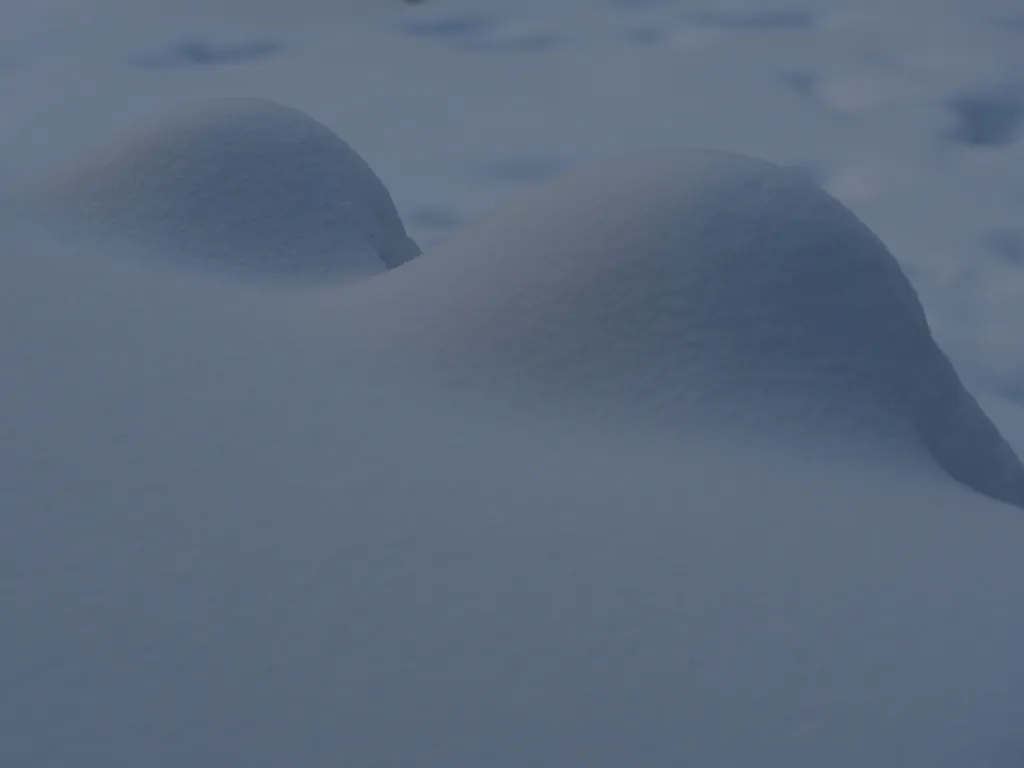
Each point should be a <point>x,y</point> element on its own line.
<point>692,287</point>
<point>242,183</point>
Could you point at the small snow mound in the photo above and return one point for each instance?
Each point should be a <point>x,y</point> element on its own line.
<point>699,286</point>
<point>241,183</point>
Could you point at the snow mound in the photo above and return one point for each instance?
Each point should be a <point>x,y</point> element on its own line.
<point>240,183</point>
<point>694,287</point>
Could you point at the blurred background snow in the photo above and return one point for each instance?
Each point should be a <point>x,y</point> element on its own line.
<point>909,111</point>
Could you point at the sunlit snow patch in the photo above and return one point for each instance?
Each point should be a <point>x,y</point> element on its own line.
<point>244,184</point>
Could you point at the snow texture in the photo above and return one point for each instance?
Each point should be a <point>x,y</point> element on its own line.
<point>247,526</point>
<point>658,466</point>
<point>691,287</point>
<point>239,183</point>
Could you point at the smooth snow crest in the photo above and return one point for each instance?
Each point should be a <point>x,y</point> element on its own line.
<point>691,287</point>
<point>239,183</point>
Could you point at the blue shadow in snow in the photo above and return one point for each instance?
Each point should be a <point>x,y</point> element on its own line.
<point>198,53</point>
<point>470,33</point>
<point>1007,244</point>
<point>987,118</point>
<point>763,20</point>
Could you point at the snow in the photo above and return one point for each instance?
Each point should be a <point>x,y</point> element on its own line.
<point>234,182</point>
<point>684,286</point>
<point>653,463</point>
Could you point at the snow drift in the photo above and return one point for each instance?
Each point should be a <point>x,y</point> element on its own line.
<point>686,289</point>
<point>244,526</point>
<point>240,183</point>
<point>699,288</point>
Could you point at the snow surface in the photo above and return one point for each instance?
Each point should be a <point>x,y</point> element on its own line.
<point>234,182</point>
<point>608,478</point>
<point>693,287</point>
<point>645,469</point>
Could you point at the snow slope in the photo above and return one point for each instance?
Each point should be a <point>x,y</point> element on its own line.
<point>692,287</point>
<point>908,111</point>
<point>658,466</point>
<point>233,182</point>
<point>460,512</point>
